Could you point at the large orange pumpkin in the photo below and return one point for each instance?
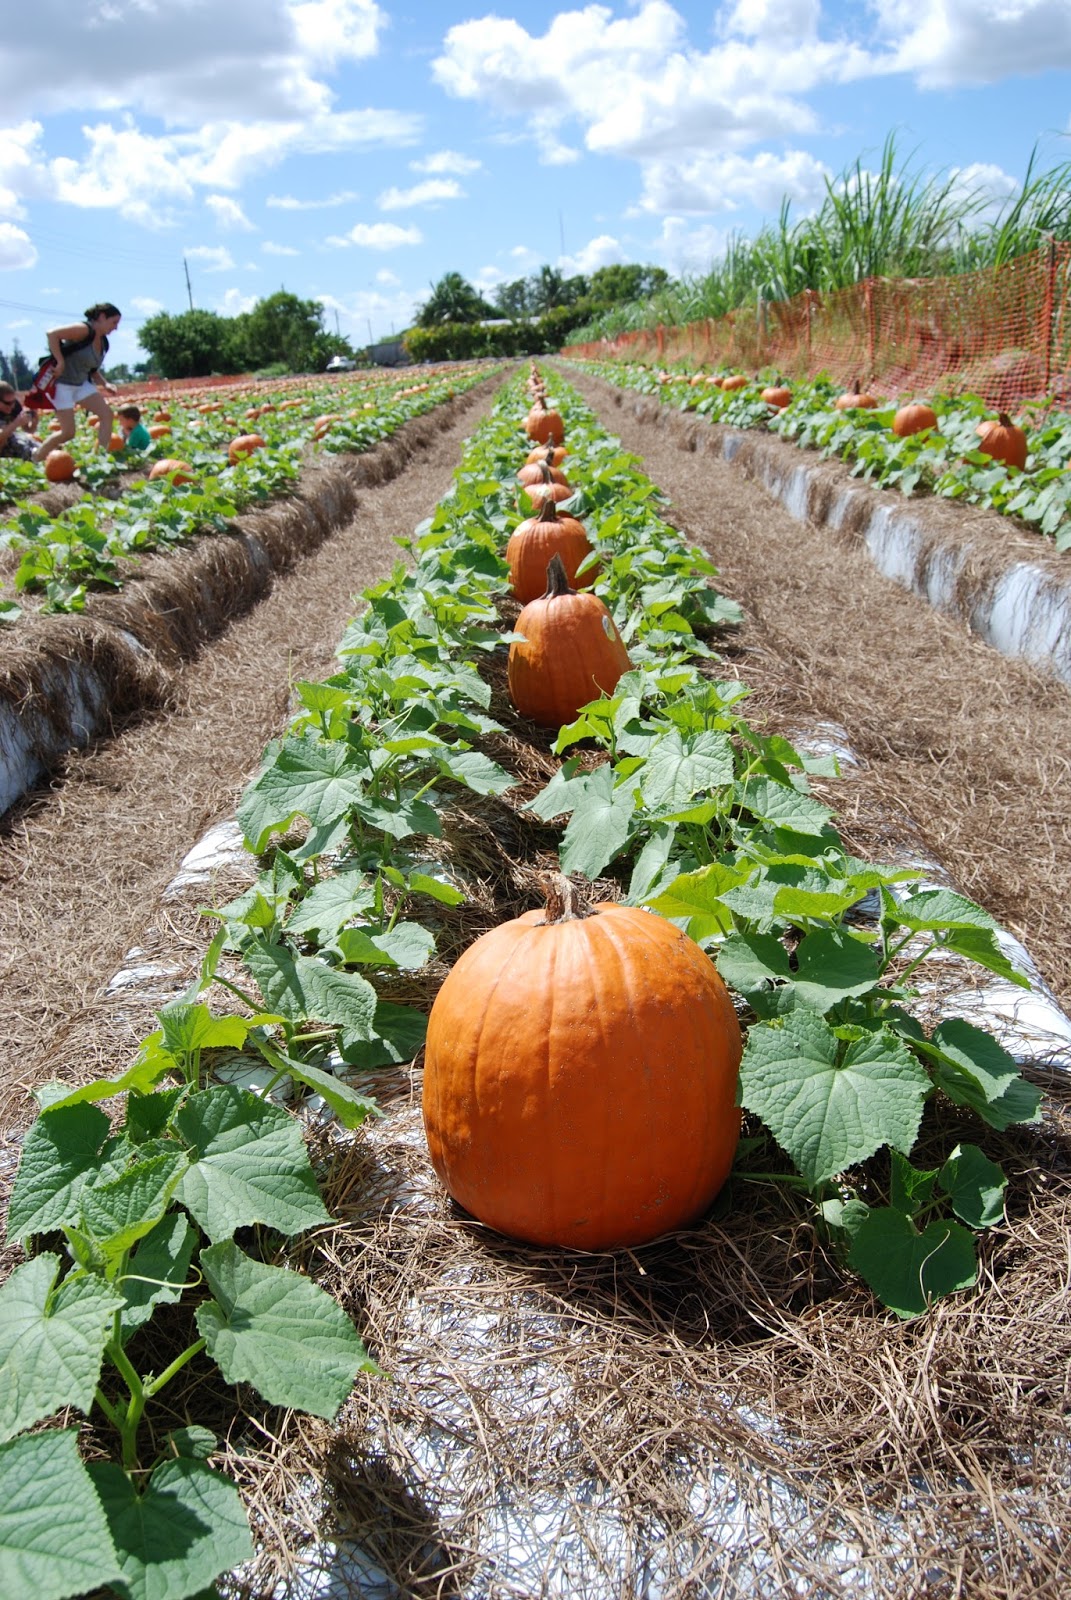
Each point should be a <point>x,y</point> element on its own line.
<point>1003,441</point>
<point>544,425</point>
<point>534,541</point>
<point>571,652</point>
<point>580,1077</point>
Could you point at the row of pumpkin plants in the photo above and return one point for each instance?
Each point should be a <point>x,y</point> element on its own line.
<point>209,460</point>
<point>560,1103</point>
<point>951,446</point>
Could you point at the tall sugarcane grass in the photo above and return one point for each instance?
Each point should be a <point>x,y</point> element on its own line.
<point>892,222</point>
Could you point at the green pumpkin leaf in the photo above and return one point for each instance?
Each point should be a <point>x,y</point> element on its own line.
<point>249,1165</point>
<point>908,1270</point>
<point>60,1155</point>
<point>600,825</point>
<point>179,1533</point>
<point>827,1103</point>
<point>157,1271</point>
<point>51,1342</point>
<point>975,1185</point>
<point>45,1494</point>
<point>278,1331</point>
<point>304,777</point>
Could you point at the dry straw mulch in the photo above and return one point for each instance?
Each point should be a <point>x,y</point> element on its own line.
<point>722,1413</point>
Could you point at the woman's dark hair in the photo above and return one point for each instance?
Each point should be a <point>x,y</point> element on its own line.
<point>105,309</point>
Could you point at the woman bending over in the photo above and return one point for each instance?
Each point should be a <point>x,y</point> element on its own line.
<point>78,352</point>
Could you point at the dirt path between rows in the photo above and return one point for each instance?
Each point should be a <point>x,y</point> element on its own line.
<point>962,753</point>
<point>83,864</point>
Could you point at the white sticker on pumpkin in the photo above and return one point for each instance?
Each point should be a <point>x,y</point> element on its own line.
<point>608,627</point>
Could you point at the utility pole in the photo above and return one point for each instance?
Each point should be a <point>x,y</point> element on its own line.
<point>338,333</point>
<point>369,322</point>
<point>189,291</point>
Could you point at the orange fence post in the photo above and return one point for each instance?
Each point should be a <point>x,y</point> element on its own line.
<point>1049,311</point>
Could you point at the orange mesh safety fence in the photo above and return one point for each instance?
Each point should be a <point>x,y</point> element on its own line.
<point>1003,333</point>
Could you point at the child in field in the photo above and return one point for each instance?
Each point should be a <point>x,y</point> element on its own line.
<point>13,417</point>
<point>135,433</point>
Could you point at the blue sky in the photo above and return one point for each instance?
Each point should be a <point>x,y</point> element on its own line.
<point>353,152</point>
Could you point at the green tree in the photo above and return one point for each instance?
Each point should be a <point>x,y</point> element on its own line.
<point>191,344</point>
<point>621,282</point>
<point>514,299</point>
<point>284,328</point>
<point>453,299</point>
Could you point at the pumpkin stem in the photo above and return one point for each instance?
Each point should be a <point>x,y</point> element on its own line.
<point>557,579</point>
<point>565,902</point>
<point>548,511</point>
<point>1005,420</point>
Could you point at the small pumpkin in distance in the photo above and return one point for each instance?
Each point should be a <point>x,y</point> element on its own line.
<point>1003,441</point>
<point>580,1077</point>
<point>778,395</point>
<point>735,380</point>
<point>571,652</point>
<point>541,472</point>
<point>913,418</point>
<point>60,466</point>
<point>241,448</point>
<point>178,471</point>
<point>534,541</point>
<point>553,454</point>
<point>855,399</point>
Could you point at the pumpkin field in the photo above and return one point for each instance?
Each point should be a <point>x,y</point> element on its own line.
<point>537,982</point>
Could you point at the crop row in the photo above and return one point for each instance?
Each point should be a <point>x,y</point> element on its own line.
<point>204,466</point>
<point>171,1226</point>
<point>944,459</point>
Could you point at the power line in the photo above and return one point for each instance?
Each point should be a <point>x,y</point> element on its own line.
<point>57,311</point>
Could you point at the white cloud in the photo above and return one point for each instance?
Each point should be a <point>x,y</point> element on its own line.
<point>447,161</point>
<point>988,186</point>
<point>954,42</point>
<point>289,202</point>
<point>382,236</point>
<point>234,303</point>
<point>421,194</point>
<point>723,181</point>
<point>271,249</point>
<point>153,179</point>
<point>602,251</point>
<point>212,257</point>
<point>228,213</point>
<point>17,250</point>
<point>683,248</point>
<point>330,31</point>
<point>389,279</point>
<point>182,62</point>
<point>368,314</point>
<point>145,305</point>
<point>20,322</point>
<point>636,87</point>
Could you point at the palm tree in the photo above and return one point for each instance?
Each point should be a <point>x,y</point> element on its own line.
<point>453,299</point>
